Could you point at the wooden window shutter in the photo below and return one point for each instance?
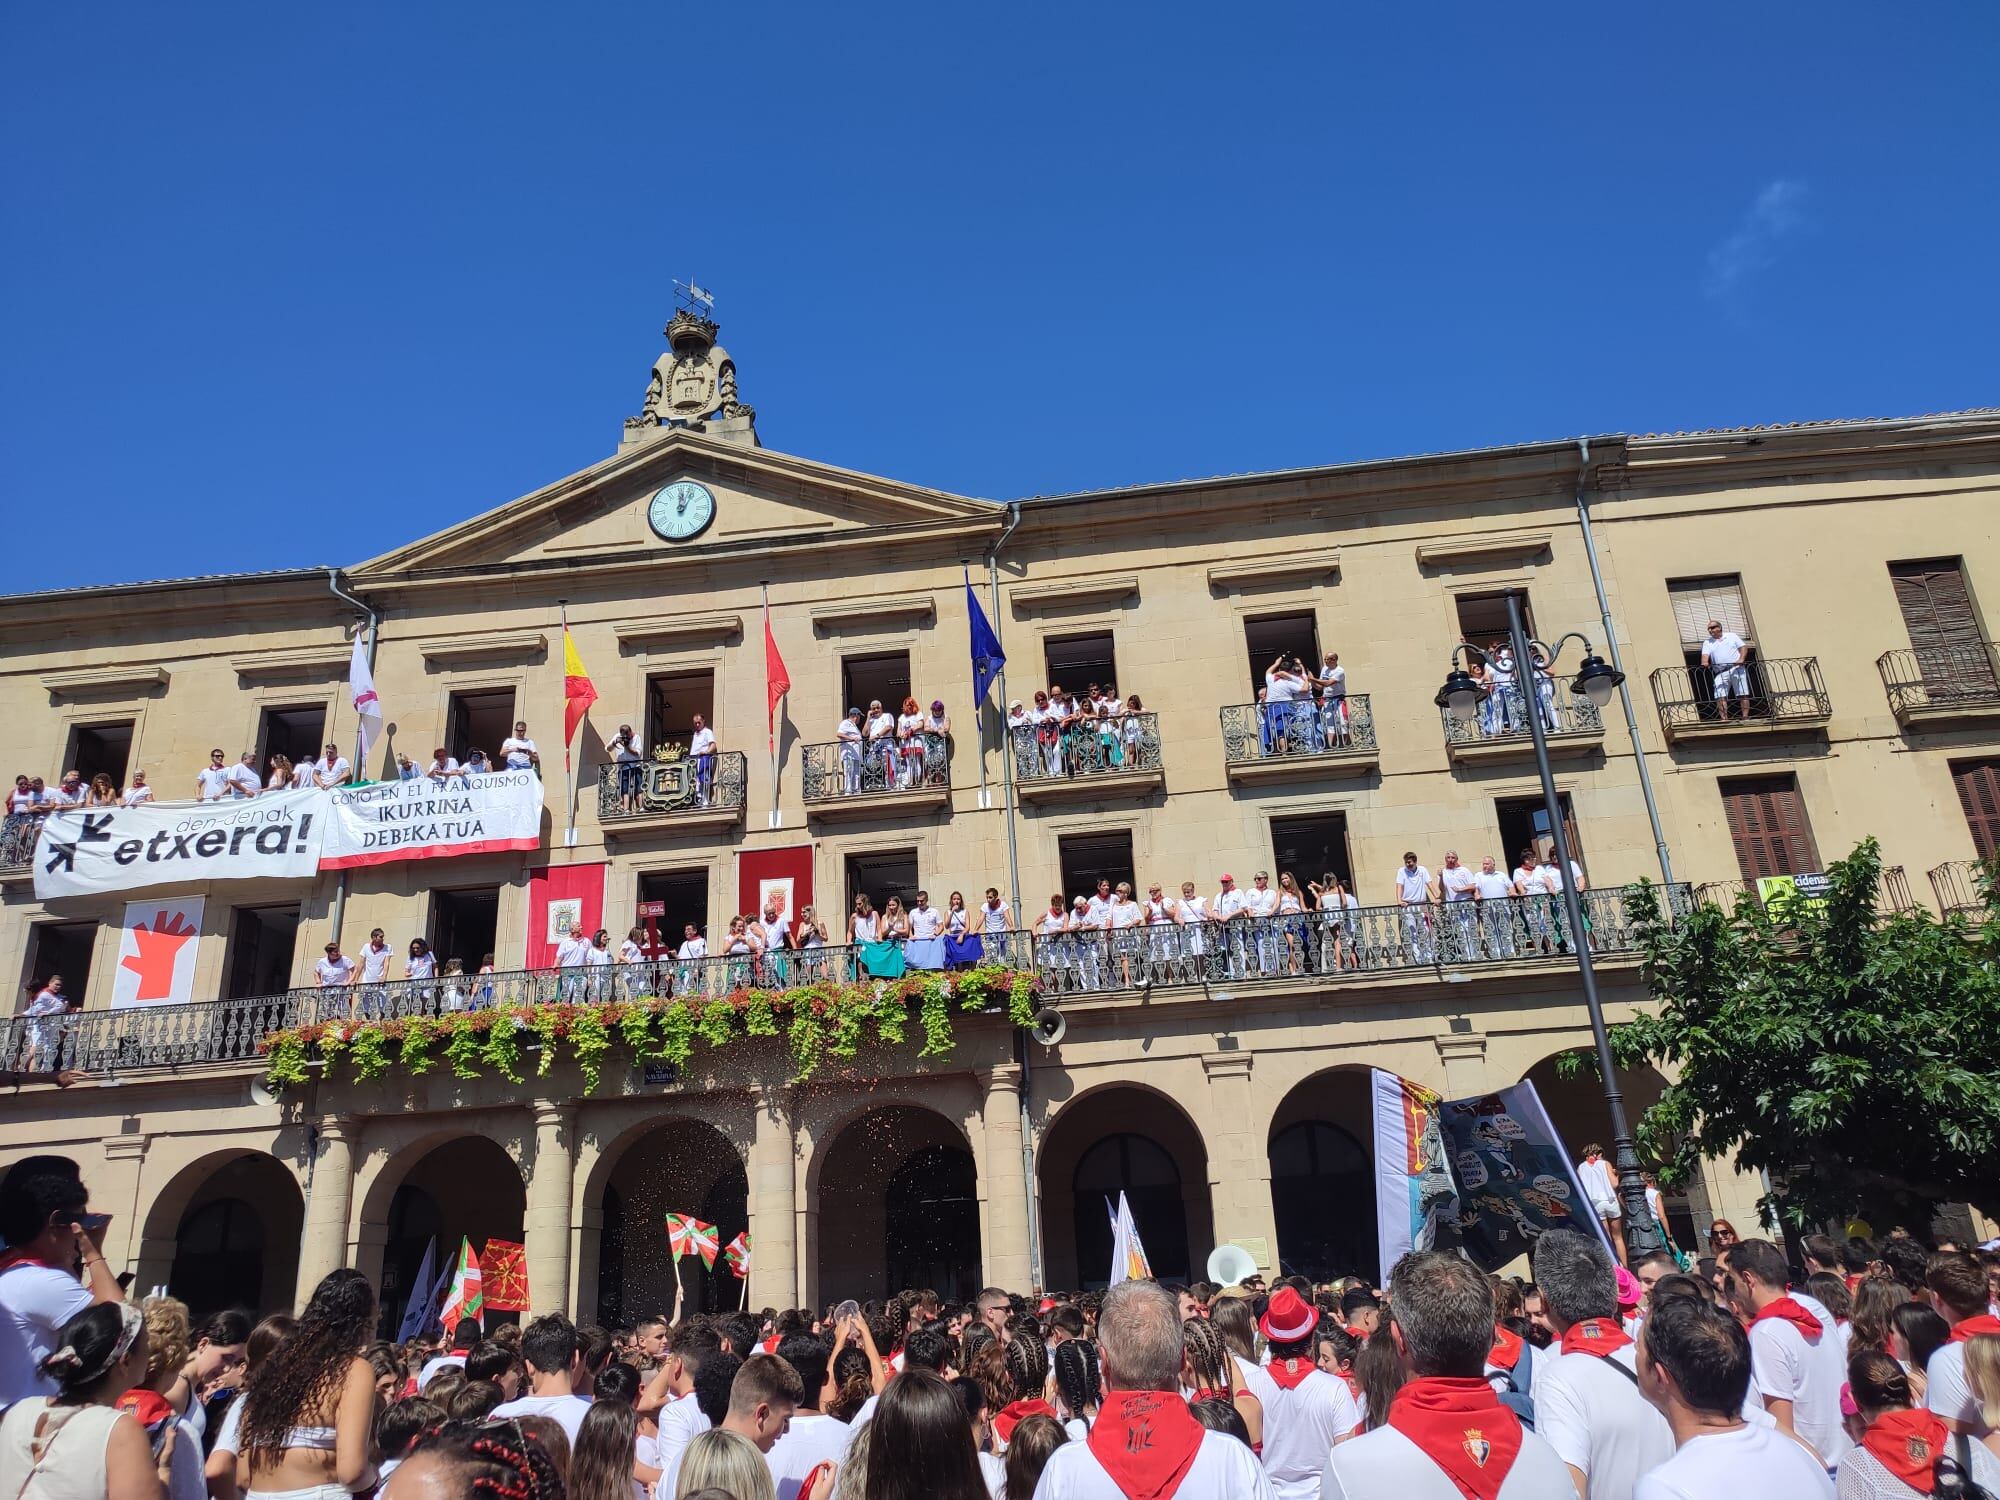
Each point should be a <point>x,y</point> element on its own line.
<point>1696,601</point>
<point>1978,784</point>
<point>1767,824</point>
<point>1936,603</point>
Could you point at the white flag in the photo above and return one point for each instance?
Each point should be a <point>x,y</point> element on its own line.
<point>1128,1255</point>
<point>361,685</point>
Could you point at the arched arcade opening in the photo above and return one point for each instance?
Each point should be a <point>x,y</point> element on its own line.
<point>465,1188</point>
<point>1134,1140</point>
<point>1323,1177</point>
<point>679,1166</point>
<point>232,1223</point>
<point>897,1195</point>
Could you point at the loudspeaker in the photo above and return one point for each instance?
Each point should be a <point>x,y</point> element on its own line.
<point>260,1092</point>
<point>1049,1026</point>
<point>1229,1264</point>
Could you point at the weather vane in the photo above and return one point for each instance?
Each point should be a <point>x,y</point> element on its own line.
<point>694,298</point>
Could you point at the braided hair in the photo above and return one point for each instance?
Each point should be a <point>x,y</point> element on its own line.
<point>1208,1358</point>
<point>495,1459</point>
<point>1077,1379</point>
<point>1028,1366</point>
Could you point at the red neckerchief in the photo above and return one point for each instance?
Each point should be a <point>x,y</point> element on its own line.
<point>1011,1414</point>
<point>1357,1335</point>
<point>15,1258</point>
<point>1462,1428</point>
<point>1599,1336</point>
<point>1789,1309</point>
<point>1908,1444</point>
<point>769,1346</point>
<point>1506,1351</point>
<point>1290,1374</point>
<point>148,1407</point>
<point>1972,1327</point>
<point>1146,1440</point>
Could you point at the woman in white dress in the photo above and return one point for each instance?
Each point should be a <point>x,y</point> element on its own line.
<point>910,746</point>
<point>1158,916</point>
<point>1087,938</point>
<point>419,965</point>
<point>742,949</point>
<point>1127,946</point>
<point>1337,935</point>
<point>632,964</point>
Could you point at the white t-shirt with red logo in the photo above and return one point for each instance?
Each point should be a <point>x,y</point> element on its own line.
<point>1386,1465</point>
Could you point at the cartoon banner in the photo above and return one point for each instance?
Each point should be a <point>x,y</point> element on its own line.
<point>426,819</point>
<point>84,852</point>
<point>156,951</point>
<point>1515,1180</point>
<point>1415,1197</point>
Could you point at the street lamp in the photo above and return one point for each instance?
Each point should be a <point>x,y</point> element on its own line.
<point>1596,681</point>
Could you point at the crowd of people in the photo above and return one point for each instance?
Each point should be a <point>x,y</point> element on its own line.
<point>1504,688</point>
<point>1064,734</point>
<point>1875,1372</point>
<point>882,751</point>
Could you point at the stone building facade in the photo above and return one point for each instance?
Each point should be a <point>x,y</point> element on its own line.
<point>1854,557</point>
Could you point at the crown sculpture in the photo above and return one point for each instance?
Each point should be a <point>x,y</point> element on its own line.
<point>693,387</point>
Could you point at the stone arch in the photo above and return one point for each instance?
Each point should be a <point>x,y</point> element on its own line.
<point>904,1182</point>
<point>1321,1148</point>
<point>224,1232</point>
<point>431,1185</point>
<point>670,1164</point>
<point>1119,1131</point>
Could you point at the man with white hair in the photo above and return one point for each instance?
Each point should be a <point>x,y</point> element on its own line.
<point>1146,1444</point>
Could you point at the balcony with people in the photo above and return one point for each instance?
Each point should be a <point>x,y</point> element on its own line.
<point>881,763</point>
<point>1303,724</point>
<point>1750,696</point>
<point>1094,745</point>
<point>1488,697</point>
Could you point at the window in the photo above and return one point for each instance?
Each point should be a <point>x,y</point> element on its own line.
<point>884,679</point>
<point>890,873</point>
<point>1945,635</point>
<point>684,894</point>
<point>1767,823</point>
<point>1482,618</point>
<point>262,941</point>
<point>1076,661</point>
<point>465,924</point>
<point>1090,857</point>
<point>1696,601</point>
<point>1978,783</point>
<point>101,747</point>
<point>1151,1181</point>
<point>1311,849</point>
<point>479,721</point>
<point>299,734</point>
<point>60,948</point>
<point>672,701</point>
<point>1524,824</point>
<point>1275,635</point>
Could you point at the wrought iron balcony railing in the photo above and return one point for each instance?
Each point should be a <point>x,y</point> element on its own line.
<point>1292,731</point>
<point>1115,746</point>
<point>647,788</point>
<point>845,768</point>
<point>1892,895</point>
<point>1779,690</point>
<point>17,840</point>
<point>1503,714</point>
<point>1931,678</point>
<point>1332,947</point>
<point>1959,888</point>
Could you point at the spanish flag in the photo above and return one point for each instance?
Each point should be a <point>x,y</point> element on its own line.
<point>578,692</point>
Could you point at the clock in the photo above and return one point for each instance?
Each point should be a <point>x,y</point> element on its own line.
<point>681,511</point>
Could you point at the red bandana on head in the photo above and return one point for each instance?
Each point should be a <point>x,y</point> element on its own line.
<point>1793,1313</point>
<point>1011,1414</point>
<point>1972,1327</point>
<point>1146,1440</point>
<point>1908,1444</point>
<point>1290,1374</point>
<point>1599,1336</point>
<point>1506,1353</point>
<point>1463,1429</point>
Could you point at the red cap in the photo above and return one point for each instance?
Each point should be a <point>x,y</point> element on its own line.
<point>1288,1318</point>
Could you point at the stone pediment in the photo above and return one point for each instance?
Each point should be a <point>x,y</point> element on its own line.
<point>761,498</point>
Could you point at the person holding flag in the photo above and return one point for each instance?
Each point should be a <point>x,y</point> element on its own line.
<point>466,1299</point>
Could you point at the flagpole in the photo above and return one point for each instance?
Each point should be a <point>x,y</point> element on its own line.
<point>979,703</point>
<point>770,708</point>
<point>569,771</point>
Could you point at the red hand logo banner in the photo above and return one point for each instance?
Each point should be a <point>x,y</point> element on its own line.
<point>159,950</point>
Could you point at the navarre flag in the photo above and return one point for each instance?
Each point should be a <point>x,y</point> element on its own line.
<point>987,657</point>
<point>1128,1252</point>
<point>466,1299</point>
<point>777,681</point>
<point>361,687</point>
<point>578,691</point>
<point>738,1254</point>
<point>503,1269</point>
<point>687,1234</point>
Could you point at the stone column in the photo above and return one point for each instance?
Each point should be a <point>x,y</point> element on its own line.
<point>329,1204</point>
<point>547,1230</point>
<point>774,1259</point>
<point>1239,1166</point>
<point>1007,1252</point>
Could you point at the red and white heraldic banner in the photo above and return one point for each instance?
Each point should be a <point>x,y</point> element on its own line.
<point>426,819</point>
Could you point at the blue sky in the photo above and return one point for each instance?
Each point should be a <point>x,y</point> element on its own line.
<point>293,284</point>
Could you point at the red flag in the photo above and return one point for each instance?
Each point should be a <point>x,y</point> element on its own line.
<point>777,682</point>
<point>504,1270</point>
<point>578,691</point>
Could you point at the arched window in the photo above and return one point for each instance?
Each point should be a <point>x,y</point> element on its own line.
<point>1323,1201</point>
<point>1151,1181</point>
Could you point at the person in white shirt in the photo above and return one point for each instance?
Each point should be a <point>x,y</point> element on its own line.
<point>1694,1366</point>
<point>1332,682</point>
<point>1723,653</point>
<point>1228,907</point>
<point>1957,1288</point>
<point>138,794</point>
<point>332,768</point>
<point>813,1438</point>
<point>374,973</point>
<point>1306,1410</point>
<point>43,1205</point>
<point>1460,918</point>
<point>1586,1389</point>
<point>851,738</point>
<point>1260,908</point>
<point>549,1350</point>
<point>335,970</point>
<point>701,746</point>
<point>1536,899</point>
<point>1448,1435</point>
<point>762,1397</point>
<point>517,751</point>
<point>211,782</point>
<point>1145,1441</point>
<point>1282,688</point>
<point>1795,1350</point>
<point>1497,914</point>
<point>573,954</point>
<point>623,748</point>
<point>1415,892</point>
<point>243,778</point>
<point>444,767</point>
<point>880,726</point>
<point>1087,941</point>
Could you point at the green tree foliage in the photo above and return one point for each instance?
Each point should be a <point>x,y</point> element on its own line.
<point>1852,1055</point>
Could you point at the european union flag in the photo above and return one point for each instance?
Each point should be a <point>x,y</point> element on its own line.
<point>987,657</point>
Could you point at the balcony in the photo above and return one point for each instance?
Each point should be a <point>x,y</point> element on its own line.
<point>17,847</point>
<point>845,779</point>
<point>1787,695</point>
<point>1772,892</point>
<point>1499,731</point>
<point>1299,741</point>
<point>1960,888</point>
<point>1315,952</point>
<point>655,796</point>
<point>1934,687</point>
<point>1097,759</point>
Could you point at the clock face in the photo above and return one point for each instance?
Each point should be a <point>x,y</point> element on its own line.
<point>681,511</point>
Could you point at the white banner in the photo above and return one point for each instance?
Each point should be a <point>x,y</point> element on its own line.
<point>84,852</point>
<point>427,819</point>
<point>156,951</point>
